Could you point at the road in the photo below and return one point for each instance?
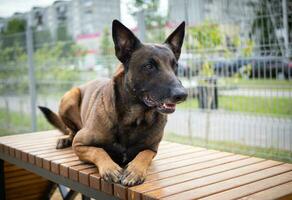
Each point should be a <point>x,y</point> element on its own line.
<point>257,92</point>
<point>241,128</point>
<point>263,131</point>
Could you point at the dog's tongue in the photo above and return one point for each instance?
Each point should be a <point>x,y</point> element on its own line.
<point>169,105</point>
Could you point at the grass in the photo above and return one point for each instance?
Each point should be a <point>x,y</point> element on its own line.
<point>274,106</point>
<point>268,153</point>
<point>258,83</point>
<point>15,123</point>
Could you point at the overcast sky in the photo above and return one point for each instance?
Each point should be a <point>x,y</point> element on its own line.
<point>8,7</point>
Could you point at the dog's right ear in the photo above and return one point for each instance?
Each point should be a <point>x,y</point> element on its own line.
<point>125,41</point>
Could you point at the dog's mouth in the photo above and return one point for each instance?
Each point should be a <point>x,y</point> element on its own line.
<point>162,107</point>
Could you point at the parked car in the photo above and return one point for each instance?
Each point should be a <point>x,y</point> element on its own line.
<point>260,67</point>
<point>271,67</point>
<point>186,71</point>
<point>229,67</point>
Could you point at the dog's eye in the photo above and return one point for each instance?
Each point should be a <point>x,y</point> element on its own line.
<point>149,67</point>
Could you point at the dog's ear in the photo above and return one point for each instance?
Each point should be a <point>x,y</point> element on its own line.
<point>175,39</point>
<point>125,41</point>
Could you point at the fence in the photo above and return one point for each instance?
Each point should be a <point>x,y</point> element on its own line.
<point>239,84</point>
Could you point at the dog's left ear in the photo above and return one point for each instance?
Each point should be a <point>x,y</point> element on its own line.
<point>125,41</point>
<point>175,39</point>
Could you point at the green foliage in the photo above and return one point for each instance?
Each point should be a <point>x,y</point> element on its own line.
<point>53,62</point>
<point>42,37</point>
<point>207,70</point>
<point>277,106</point>
<point>204,36</point>
<point>14,34</point>
<point>15,122</point>
<point>106,43</point>
<point>15,26</point>
<point>62,33</point>
<point>247,50</point>
<point>154,21</point>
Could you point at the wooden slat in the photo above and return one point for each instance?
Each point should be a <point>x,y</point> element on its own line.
<point>177,172</point>
<point>33,155</point>
<point>217,174</point>
<point>74,170</point>
<point>197,177</point>
<point>84,175</point>
<point>107,187</point>
<point>120,191</point>
<point>94,181</point>
<point>159,168</point>
<point>22,184</point>
<point>283,191</point>
<point>29,146</point>
<point>186,156</point>
<point>231,183</point>
<point>64,153</point>
<point>253,187</point>
<point>55,164</point>
<point>176,152</point>
<point>64,167</point>
<point>29,135</point>
<point>194,167</point>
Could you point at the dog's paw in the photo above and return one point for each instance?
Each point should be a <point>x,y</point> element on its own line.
<point>133,175</point>
<point>64,143</point>
<point>111,172</point>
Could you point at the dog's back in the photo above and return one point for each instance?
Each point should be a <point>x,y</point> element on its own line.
<point>74,109</point>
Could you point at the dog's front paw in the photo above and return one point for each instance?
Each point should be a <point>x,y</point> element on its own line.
<point>110,172</point>
<point>64,143</point>
<point>133,174</point>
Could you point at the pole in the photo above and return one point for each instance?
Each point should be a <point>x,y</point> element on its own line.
<point>285,26</point>
<point>141,24</point>
<point>32,87</point>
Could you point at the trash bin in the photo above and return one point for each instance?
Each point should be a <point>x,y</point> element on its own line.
<point>207,88</point>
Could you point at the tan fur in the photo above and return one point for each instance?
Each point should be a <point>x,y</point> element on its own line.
<point>112,122</point>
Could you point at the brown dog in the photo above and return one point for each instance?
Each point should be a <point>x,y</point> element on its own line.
<point>119,122</point>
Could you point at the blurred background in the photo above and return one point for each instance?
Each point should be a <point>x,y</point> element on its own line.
<point>236,64</point>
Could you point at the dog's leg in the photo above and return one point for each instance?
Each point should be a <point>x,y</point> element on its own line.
<point>135,172</point>
<point>69,112</point>
<point>82,145</point>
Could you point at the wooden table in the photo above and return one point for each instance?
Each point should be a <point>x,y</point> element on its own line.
<point>178,171</point>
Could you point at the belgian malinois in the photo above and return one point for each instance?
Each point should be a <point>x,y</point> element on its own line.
<point>118,123</point>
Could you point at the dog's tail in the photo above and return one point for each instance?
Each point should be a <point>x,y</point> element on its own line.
<point>54,119</point>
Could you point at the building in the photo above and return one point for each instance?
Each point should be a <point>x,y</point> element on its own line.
<point>93,16</point>
<point>248,19</point>
<point>58,19</point>
<point>77,17</point>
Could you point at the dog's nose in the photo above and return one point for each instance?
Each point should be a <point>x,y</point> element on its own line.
<point>179,95</point>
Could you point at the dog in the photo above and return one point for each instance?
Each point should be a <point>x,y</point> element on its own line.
<point>117,124</point>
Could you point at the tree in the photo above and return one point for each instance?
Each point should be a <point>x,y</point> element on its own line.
<point>205,36</point>
<point>106,43</point>
<point>62,33</point>
<point>264,25</point>
<point>154,21</point>
<point>14,33</point>
<point>15,26</point>
<point>107,49</point>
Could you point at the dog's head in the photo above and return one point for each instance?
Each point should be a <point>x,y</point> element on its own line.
<point>150,69</point>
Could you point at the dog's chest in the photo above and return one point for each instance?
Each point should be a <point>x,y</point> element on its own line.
<point>133,126</point>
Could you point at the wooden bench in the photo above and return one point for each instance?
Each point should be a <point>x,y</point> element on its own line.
<point>177,172</point>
